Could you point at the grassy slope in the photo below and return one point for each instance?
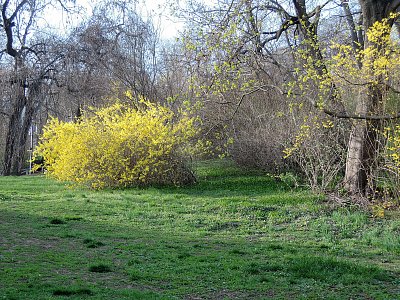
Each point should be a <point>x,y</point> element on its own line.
<point>235,235</point>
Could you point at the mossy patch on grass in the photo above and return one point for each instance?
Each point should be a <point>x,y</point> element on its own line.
<point>90,243</point>
<point>100,268</point>
<point>57,221</point>
<point>73,218</point>
<point>72,292</point>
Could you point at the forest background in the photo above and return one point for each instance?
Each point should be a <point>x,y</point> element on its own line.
<point>304,90</point>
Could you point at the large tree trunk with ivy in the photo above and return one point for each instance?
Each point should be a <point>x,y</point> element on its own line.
<point>363,147</point>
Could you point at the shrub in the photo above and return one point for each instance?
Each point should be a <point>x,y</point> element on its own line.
<point>388,173</point>
<point>320,151</point>
<point>120,146</point>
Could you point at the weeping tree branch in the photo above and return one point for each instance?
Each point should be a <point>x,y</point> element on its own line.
<point>4,114</point>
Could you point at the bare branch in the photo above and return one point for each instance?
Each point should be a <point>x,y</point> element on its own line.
<point>18,8</point>
<point>352,25</point>
<point>395,5</point>
<point>344,115</point>
<point>4,114</point>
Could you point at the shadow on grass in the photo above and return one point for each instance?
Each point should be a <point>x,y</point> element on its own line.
<point>240,185</point>
<point>262,188</point>
<point>216,179</point>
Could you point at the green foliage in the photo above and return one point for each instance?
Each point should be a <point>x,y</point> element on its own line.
<point>290,179</point>
<point>119,146</point>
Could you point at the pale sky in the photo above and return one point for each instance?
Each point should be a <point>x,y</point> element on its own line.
<point>169,26</point>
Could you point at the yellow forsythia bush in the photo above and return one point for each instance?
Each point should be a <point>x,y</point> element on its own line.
<point>120,146</point>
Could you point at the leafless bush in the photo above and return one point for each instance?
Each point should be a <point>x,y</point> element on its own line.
<point>260,130</point>
<point>320,152</point>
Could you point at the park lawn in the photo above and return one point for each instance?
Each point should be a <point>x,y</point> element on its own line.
<point>235,235</point>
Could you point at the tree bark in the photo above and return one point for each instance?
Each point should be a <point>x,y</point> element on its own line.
<point>355,176</point>
<point>17,132</point>
<point>23,106</point>
<point>363,147</point>
<point>20,119</point>
<point>13,135</point>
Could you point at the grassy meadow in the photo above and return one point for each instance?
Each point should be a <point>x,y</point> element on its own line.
<point>236,234</point>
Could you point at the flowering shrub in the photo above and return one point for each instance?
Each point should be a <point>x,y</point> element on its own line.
<point>390,171</point>
<point>119,146</point>
<point>393,147</point>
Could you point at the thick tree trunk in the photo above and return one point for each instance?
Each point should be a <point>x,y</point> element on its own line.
<point>362,156</point>
<point>355,180</point>
<point>18,128</point>
<point>23,106</point>
<point>19,160</point>
<point>363,147</point>
<point>14,134</point>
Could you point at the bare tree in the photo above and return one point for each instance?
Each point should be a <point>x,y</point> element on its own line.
<point>29,71</point>
<point>113,51</point>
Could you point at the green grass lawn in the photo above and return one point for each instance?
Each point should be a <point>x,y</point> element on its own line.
<point>234,235</point>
